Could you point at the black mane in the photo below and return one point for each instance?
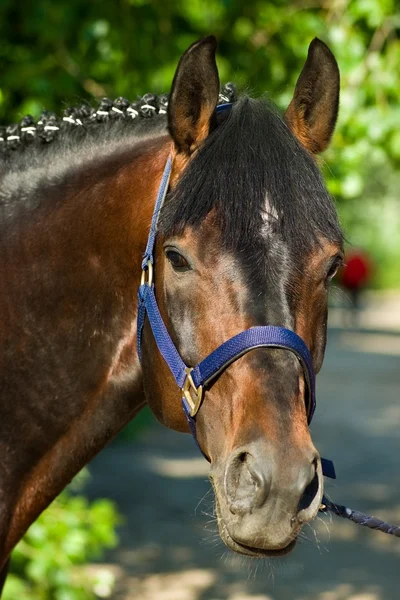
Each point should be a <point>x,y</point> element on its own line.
<point>251,157</point>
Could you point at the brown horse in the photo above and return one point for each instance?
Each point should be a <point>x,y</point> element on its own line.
<point>247,236</point>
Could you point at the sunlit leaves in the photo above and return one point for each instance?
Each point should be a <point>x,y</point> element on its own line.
<point>61,53</point>
<point>48,563</point>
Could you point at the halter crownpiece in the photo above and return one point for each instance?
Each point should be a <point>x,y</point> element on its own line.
<point>194,381</point>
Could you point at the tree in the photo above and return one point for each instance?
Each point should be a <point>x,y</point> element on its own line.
<point>54,54</point>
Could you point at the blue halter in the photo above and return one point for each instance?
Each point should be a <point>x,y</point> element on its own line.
<point>193,381</point>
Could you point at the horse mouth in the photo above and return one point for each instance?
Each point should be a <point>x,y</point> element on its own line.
<point>252,551</point>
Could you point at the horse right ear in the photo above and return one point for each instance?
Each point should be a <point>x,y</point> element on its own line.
<point>194,96</point>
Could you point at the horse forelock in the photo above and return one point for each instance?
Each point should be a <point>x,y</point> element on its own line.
<point>260,182</point>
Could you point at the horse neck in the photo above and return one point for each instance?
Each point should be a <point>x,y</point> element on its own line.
<point>69,372</point>
<point>83,243</point>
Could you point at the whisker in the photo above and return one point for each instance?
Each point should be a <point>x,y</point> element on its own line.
<point>202,499</point>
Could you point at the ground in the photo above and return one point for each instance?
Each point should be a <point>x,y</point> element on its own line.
<point>169,549</point>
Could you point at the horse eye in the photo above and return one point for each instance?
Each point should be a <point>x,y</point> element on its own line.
<point>178,262</point>
<point>333,269</point>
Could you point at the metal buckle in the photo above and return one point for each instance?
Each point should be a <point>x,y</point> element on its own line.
<point>149,271</point>
<point>189,390</point>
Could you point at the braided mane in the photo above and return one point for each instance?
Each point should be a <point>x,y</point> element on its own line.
<point>47,128</point>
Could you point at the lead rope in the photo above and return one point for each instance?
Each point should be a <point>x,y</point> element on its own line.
<point>358,517</point>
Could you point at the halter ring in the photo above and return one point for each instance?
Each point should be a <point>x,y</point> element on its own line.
<point>193,395</point>
<point>147,269</point>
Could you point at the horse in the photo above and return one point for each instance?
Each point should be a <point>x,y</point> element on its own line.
<point>247,236</point>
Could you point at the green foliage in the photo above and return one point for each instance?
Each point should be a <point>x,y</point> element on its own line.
<point>134,428</point>
<point>53,54</point>
<point>48,563</point>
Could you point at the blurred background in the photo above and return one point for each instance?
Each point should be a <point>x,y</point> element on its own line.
<point>57,54</point>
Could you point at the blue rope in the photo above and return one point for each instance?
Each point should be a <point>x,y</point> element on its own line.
<point>359,518</point>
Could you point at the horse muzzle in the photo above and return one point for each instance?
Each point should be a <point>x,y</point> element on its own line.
<point>263,497</point>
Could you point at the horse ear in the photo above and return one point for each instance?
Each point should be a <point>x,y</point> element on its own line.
<point>194,96</point>
<point>312,113</point>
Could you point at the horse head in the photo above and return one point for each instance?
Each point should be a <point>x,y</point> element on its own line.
<point>248,236</point>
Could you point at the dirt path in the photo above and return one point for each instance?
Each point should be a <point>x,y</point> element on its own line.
<point>169,550</point>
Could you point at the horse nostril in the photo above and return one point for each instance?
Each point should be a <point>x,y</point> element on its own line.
<point>310,492</point>
<point>245,483</point>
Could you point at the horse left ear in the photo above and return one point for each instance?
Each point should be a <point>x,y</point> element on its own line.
<point>194,96</point>
<point>312,113</point>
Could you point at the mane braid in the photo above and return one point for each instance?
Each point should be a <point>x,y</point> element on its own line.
<point>29,132</point>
